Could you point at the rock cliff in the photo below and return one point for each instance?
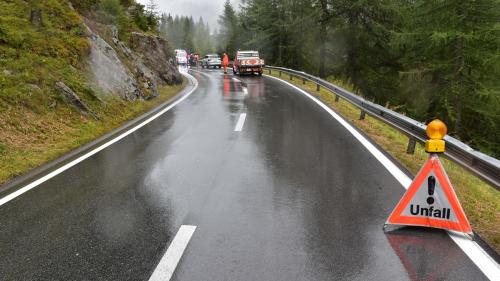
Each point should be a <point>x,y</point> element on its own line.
<point>132,70</point>
<point>108,70</point>
<point>154,53</point>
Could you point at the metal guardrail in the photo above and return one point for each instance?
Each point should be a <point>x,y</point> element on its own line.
<point>482,165</point>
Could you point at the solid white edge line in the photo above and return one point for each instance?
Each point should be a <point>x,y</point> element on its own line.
<point>476,253</point>
<point>386,162</point>
<point>241,122</point>
<point>168,263</point>
<point>61,169</point>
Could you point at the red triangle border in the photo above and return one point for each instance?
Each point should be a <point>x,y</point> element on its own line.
<point>432,164</point>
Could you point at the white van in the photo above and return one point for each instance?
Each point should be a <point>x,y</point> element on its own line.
<point>181,57</point>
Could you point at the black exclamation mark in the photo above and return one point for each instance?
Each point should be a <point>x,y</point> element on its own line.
<point>431,184</point>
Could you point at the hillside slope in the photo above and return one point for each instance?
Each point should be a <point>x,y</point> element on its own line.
<point>59,78</point>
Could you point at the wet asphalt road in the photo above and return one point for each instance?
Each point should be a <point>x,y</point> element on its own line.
<point>293,196</point>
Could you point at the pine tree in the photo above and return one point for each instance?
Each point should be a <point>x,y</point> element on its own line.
<point>426,59</point>
<point>325,18</point>
<point>188,30</point>
<point>203,39</point>
<point>283,30</point>
<point>163,28</point>
<point>229,30</point>
<point>152,14</point>
<point>152,8</point>
<point>369,63</point>
<point>452,49</point>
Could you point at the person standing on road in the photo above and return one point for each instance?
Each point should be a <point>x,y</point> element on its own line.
<point>225,62</point>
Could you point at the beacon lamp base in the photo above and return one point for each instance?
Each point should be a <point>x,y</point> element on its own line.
<point>434,146</point>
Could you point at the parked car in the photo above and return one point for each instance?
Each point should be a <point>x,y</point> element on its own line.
<point>211,60</point>
<point>181,57</point>
<point>248,62</point>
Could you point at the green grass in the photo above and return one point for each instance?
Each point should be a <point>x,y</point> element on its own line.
<point>36,126</point>
<point>29,140</point>
<point>32,59</point>
<point>480,201</point>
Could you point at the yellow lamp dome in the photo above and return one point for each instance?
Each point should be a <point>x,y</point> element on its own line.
<point>436,130</point>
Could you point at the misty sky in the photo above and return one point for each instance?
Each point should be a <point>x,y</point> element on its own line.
<point>208,9</point>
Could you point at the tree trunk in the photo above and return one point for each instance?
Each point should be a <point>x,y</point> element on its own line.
<point>458,87</point>
<point>299,61</point>
<point>280,39</point>
<point>352,67</point>
<point>36,17</point>
<point>325,19</point>
<point>434,99</point>
<point>322,49</point>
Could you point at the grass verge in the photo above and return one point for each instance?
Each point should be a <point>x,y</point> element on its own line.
<point>28,140</point>
<point>480,201</point>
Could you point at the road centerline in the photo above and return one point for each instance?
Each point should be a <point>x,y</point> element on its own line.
<point>241,122</point>
<point>168,263</point>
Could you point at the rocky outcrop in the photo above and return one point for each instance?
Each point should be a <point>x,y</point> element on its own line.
<point>122,47</point>
<point>109,71</point>
<point>72,99</point>
<point>155,57</point>
<point>36,17</point>
<point>145,77</point>
<point>132,72</point>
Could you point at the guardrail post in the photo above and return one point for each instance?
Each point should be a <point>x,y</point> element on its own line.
<point>291,77</point>
<point>280,73</point>
<point>337,98</point>
<point>411,145</point>
<point>269,71</point>
<point>318,87</point>
<point>362,115</point>
<point>303,81</point>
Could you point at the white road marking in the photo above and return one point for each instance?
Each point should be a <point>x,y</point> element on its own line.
<point>56,172</point>
<point>202,73</point>
<point>165,269</point>
<point>481,259</point>
<point>237,80</point>
<point>241,122</point>
<point>245,90</point>
<point>476,253</point>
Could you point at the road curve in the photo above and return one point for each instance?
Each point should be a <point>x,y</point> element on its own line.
<point>283,193</point>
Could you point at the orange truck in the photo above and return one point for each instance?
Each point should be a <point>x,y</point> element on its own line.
<point>248,62</point>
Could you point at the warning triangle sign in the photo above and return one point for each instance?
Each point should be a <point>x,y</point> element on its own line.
<point>431,201</point>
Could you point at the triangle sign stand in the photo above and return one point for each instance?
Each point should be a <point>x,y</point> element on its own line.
<point>431,201</point>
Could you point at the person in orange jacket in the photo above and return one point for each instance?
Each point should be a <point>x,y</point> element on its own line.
<point>225,62</point>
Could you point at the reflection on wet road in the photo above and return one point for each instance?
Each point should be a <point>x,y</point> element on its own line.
<point>291,196</point>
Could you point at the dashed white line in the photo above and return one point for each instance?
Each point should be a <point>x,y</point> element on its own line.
<point>245,90</point>
<point>237,80</point>
<point>241,122</point>
<point>479,257</point>
<point>56,172</point>
<point>165,269</point>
